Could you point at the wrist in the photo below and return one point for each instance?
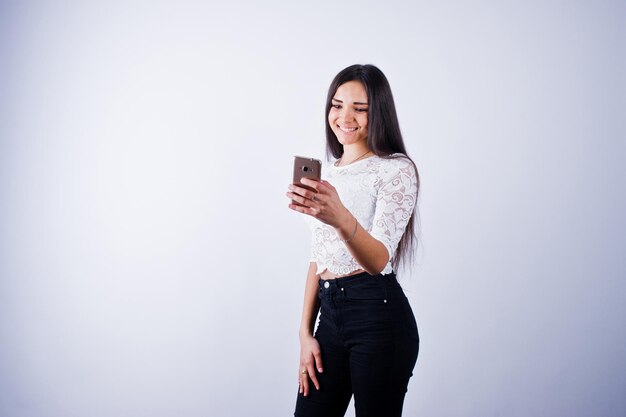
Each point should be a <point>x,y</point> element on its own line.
<point>345,226</point>
<point>348,230</point>
<point>305,333</point>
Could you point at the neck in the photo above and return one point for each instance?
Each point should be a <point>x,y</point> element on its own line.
<point>353,153</point>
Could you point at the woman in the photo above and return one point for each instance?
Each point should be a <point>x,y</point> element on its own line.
<point>361,215</point>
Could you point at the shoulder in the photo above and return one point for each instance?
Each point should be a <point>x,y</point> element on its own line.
<point>395,165</point>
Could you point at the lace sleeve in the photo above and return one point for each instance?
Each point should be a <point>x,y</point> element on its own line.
<point>395,203</point>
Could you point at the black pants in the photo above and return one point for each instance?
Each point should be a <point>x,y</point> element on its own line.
<point>369,342</point>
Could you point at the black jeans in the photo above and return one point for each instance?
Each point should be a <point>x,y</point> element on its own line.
<point>369,342</point>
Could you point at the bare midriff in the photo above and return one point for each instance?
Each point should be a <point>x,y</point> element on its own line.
<point>326,274</point>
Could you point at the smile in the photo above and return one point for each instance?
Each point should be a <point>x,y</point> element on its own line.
<point>348,129</point>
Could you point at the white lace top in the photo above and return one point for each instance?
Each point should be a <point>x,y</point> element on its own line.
<point>381,193</point>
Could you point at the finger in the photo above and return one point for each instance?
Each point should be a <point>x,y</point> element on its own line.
<point>324,183</point>
<point>303,191</point>
<point>318,362</point>
<point>313,376</point>
<point>310,182</point>
<point>304,381</point>
<point>311,211</point>
<point>299,199</point>
<point>314,197</point>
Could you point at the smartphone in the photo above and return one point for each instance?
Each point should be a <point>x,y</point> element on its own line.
<point>304,167</point>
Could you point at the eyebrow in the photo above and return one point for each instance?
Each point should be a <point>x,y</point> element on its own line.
<point>360,103</point>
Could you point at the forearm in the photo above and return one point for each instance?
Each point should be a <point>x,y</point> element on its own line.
<point>369,252</point>
<point>311,302</point>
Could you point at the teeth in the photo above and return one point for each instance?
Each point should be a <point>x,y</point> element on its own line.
<point>348,129</point>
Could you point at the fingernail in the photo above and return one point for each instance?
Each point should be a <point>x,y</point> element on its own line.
<point>320,369</point>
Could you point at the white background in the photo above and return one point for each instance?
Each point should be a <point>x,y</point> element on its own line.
<point>149,264</point>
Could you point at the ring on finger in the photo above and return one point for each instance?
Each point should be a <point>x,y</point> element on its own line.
<point>304,372</point>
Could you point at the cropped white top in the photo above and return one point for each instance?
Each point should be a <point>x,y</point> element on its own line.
<point>381,193</point>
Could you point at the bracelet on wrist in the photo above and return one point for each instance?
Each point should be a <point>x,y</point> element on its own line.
<point>356,225</point>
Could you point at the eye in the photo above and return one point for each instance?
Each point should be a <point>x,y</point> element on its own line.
<point>361,110</point>
<point>336,106</point>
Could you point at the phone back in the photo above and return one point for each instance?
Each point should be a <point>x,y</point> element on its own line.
<point>306,168</point>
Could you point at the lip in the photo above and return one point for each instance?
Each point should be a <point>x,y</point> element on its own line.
<point>348,129</point>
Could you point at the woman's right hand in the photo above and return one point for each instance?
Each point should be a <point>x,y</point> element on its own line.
<point>310,361</point>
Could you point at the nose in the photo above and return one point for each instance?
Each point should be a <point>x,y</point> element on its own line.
<point>346,115</point>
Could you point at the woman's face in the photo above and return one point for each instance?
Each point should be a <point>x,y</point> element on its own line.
<point>348,113</point>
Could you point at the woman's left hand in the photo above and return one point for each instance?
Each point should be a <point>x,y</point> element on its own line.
<point>323,203</point>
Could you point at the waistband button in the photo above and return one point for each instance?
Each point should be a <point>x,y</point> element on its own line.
<point>326,284</point>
